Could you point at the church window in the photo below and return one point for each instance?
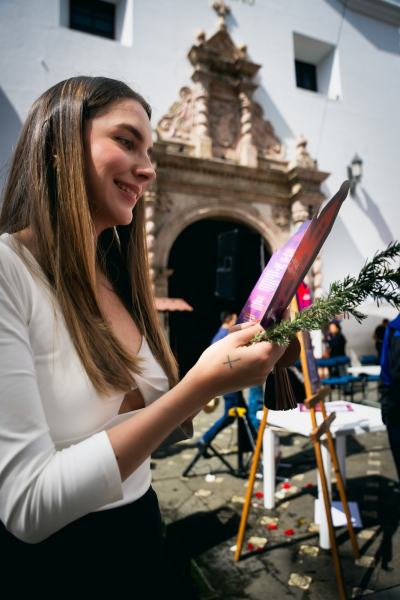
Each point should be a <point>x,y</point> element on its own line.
<point>306,76</point>
<point>93,16</point>
<point>317,66</point>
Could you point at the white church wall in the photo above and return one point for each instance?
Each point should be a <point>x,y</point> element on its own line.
<point>362,69</point>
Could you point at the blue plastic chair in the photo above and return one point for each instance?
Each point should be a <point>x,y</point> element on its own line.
<point>326,362</point>
<point>342,360</point>
<point>366,380</point>
<point>369,359</point>
<point>344,382</point>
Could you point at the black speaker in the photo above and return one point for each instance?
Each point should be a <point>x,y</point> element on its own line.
<point>240,264</point>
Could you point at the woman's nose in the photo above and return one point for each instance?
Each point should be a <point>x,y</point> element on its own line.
<point>146,170</point>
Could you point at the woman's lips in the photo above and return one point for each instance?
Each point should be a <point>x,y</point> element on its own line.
<point>127,189</point>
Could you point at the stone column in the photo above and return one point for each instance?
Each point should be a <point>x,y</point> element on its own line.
<point>161,281</point>
<point>247,151</point>
<point>150,197</point>
<point>317,277</point>
<point>201,119</point>
<point>161,276</point>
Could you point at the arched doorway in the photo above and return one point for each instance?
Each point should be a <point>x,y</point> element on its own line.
<point>193,259</point>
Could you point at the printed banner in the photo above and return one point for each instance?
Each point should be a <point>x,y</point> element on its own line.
<point>303,296</point>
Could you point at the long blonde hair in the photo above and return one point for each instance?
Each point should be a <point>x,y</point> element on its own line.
<point>49,195</point>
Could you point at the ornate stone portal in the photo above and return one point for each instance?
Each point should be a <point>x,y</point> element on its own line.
<point>216,156</point>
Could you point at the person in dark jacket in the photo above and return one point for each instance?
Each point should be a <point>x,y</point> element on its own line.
<point>378,336</point>
<point>389,387</point>
<point>335,340</point>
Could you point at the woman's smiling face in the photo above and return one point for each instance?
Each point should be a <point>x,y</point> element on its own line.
<point>118,146</point>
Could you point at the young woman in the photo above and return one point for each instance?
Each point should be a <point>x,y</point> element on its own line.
<point>88,384</point>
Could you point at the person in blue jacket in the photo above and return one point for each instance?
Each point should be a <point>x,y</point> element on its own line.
<point>389,387</point>
<point>228,320</point>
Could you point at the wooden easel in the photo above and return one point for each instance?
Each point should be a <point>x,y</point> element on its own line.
<point>316,434</point>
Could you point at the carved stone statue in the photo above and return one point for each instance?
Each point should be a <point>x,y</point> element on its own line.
<point>300,213</point>
<point>281,215</point>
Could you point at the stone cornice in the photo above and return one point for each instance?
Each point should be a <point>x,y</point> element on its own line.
<point>218,178</point>
<point>383,10</point>
<point>272,169</point>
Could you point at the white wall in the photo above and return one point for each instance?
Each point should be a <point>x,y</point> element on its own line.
<point>36,52</point>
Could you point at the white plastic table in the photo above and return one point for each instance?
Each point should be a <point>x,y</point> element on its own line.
<point>366,370</point>
<point>351,419</point>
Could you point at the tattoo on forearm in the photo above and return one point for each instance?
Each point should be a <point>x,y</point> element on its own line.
<point>229,362</point>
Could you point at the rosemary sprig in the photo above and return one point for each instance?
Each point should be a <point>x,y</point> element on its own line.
<point>377,279</point>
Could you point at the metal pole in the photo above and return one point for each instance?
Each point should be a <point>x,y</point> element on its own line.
<point>250,485</point>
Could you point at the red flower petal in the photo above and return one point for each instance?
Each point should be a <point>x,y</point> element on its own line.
<point>250,547</point>
<point>259,548</point>
<point>289,532</point>
<point>309,485</point>
<point>285,486</point>
<point>271,526</point>
<point>259,495</point>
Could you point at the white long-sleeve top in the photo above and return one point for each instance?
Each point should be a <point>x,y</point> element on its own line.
<point>56,460</point>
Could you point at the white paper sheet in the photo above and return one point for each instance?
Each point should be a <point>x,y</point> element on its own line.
<point>338,514</point>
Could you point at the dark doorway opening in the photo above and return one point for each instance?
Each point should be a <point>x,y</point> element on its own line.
<point>193,258</point>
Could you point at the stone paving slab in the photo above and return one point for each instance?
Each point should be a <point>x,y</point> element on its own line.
<point>202,527</point>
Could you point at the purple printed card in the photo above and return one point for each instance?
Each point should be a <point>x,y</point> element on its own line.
<point>266,286</point>
<point>288,267</point>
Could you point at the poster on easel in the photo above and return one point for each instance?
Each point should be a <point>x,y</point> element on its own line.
<point>288,266</point>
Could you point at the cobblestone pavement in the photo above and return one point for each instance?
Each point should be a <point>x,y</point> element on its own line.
<point>202,513</point>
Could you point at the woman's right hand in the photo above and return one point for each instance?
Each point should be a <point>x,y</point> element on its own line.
<point>231,365</point>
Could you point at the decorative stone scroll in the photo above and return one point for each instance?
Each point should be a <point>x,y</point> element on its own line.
<point>303,159</point>
<point>264,138</point>
<point>177,124</point>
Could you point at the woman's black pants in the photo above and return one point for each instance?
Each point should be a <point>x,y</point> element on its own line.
<point>117,553</point>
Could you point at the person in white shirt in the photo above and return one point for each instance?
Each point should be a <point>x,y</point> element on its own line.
<point>88,385</point>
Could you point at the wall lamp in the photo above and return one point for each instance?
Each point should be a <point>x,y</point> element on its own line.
<point>355,172</point>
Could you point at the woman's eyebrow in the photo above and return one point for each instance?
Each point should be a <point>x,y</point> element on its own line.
<point>136,133</point>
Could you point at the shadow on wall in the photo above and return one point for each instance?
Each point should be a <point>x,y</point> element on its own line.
<point>340,255</point>
<point>10,127</point>
<point>377,32</point>
<point>272,113</point>
<point>373,212</point>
